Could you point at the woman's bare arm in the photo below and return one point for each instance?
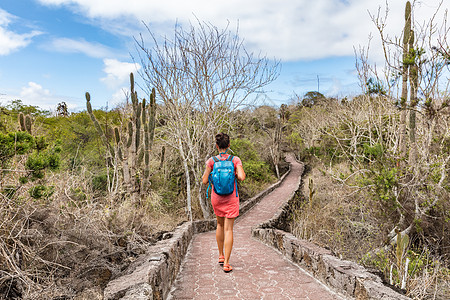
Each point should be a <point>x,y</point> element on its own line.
<point>206,175</point>
<point>240,174</point>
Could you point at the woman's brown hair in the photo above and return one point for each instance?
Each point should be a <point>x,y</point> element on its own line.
<point>222,140</point>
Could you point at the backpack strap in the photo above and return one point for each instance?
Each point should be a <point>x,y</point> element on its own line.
<point>209,186</point>
<point>230,158</point>
<point>223,152</point>
<point>215,159</point>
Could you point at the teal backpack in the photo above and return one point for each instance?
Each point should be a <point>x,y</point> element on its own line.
<point>222,177</point>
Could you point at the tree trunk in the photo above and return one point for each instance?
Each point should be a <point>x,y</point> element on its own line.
<point>188,178</point>
<point>278,171</point>
<point>203,203</point>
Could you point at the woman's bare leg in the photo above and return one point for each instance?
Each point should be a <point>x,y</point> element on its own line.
<point>228,239</point>
<point>220,234</point>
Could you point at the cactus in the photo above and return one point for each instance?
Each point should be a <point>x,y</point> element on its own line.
<point>28,123</point>
<point>312,191</point>
<point>97,125</point>
<point>402,246</point>
<point>133,145</point>
<point>130,134</point>
<point>116,135</point>
<point>414,82</point>
<point>151,120</point>
<point>163,153</point>
<point>405,74</point>
<point>149,131</point>
<point>406,52</point>
<point>22,122</point>
<point>25,122</point>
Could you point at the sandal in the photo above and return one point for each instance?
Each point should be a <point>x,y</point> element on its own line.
<point>227,268</point>
<point>221,259</point>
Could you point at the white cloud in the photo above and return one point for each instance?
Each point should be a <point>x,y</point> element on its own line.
<point>79,46</point>
<point>34,94</point>
<point>34,90</point>
<point>289,30</point>
<point>117,72</point>
<point>11,41</point>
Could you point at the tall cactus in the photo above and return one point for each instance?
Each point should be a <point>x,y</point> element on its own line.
<point>97,125</point>
<point>414,83</point>
<point>148,121</point>
<point>22,122</point>
<point>25,122</point>
<point>312,191</point>
<point>28,123</point>
<point>133,144</point>
<point>405,75</point>
<point>163,153</point>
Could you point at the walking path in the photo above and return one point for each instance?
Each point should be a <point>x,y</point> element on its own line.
<point>259,272</point>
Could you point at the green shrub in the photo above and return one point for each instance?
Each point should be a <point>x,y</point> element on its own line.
<point>14,143</point>
<point>257,170</point>
<point>9,191</point>
<point>100,183</point>
<point>254,167</point>
<point>373,152</point>
<point>41,191</point>
<point>244,149</point>
<point>41,143</point>
<point>295,140</point>
<point>36,163</point>
<point>39,161</point>
<point>78,195</point>
<point>385,181</point>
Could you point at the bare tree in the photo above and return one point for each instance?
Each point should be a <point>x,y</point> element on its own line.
<point>202,74</point>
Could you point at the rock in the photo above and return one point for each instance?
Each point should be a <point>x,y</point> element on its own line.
<point>92,277</point>
<point>94,293</point>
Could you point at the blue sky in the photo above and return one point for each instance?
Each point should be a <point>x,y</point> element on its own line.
<point>56,50</point>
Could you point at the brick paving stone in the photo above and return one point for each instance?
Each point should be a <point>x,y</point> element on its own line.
<point>259,271</point>
<point>275,297</point>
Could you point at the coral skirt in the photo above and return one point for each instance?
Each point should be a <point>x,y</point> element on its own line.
<point>225,206</point>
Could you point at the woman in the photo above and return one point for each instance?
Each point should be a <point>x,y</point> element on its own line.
<point>226,207</point>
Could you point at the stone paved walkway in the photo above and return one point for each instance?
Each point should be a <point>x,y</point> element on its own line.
<point>259,272</point>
